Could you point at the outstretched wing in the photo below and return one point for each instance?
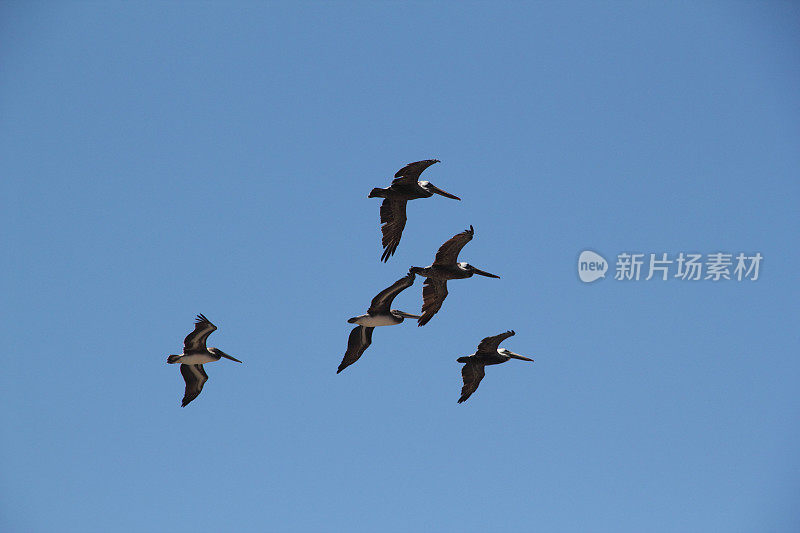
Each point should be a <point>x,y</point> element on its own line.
<point>410,173</point>
<point>382,302</point>
<point>490,344</point>
<point>448,252</point>
<point>196,340</point>
<point>393,220</point>
<point>434,292</point>
<point>472,374</point>
<point>359,340</point>
<point>195,377</point>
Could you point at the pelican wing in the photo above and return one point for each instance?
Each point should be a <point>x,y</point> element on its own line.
<point>195,377</point>
<point>196,340</point>
<point>393,220</point>
<point>358,342</point>
<point>382,302</point>
<point>448,253</point>
<point>434,292</point>
<point>490,344</point>
<point>411,172</point>
<point>472,374</point>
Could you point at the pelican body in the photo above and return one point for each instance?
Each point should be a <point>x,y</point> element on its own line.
<point>459,270</point>
<point>391,318</point>
<point>195,355</point>
<point>377,315</point>
<point>445,267</point>
<point>404,187</point>
<point>488,353</point>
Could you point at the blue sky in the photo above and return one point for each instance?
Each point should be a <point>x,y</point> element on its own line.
<point>167,159</point>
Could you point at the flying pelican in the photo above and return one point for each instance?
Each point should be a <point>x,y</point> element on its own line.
<point>404,187</point>
<point>487,354</point>
<point>195,355</point>
<point>378,314</point>
<point>445,267</point>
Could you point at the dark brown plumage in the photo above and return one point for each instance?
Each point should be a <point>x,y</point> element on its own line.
<point>195,355</point>
<point>393,220</point>
<point>196,340</point>
<point>412,171</point>
<point>488,353</point>
<point>472,373</point>
<point>434,291</point>
<point>195,377</point>
<point>357,343</point>
<point>404,187</point>
<point>378,314</point>
<point>447,254</point>
<point>445,267</point>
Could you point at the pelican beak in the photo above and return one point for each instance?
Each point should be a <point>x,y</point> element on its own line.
<point>408,315</point>
<point>446,194</point>
<point>226,356</point>
<point>520,357</point>
<point>483,273</point>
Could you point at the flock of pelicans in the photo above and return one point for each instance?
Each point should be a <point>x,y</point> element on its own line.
<point>405,186</point>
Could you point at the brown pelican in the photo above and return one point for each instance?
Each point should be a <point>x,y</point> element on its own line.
<point>195,355</point>
<point>487,354</point>
<point>404,187</point>
<point>378,314</point>
<point>445,267</point>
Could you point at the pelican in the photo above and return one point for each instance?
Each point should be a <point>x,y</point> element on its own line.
<point>488,354</point>
<point>195,355</point>
<point>378,314</point>
<point>404,187</point>
<point>445,267</point>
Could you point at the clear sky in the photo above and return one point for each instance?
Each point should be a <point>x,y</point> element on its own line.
<point>161,160</point>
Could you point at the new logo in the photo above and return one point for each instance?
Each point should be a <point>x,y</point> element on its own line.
<point>591,266</point>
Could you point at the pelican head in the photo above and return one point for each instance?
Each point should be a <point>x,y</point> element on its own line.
<point>512,355</point>
<point>430,187</point>
<point>474,270</point>
<point>220,353</point>
<point>402,315</point>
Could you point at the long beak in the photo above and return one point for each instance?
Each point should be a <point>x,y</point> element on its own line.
<point>482,273</point>
<point>226,356</point>
<point>407,315</point>
<point>521,357</point>
<point>446,194</point>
